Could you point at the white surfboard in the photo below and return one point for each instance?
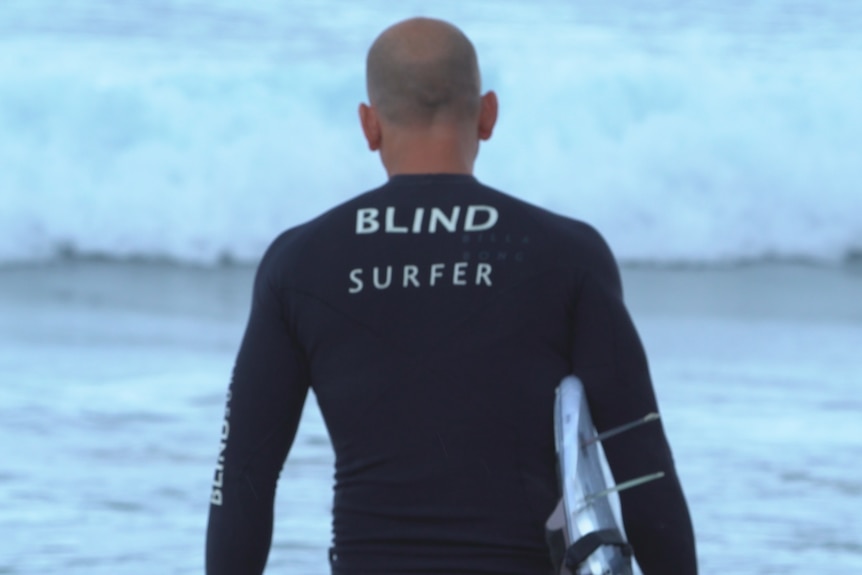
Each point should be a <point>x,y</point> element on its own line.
<point>594,544</point>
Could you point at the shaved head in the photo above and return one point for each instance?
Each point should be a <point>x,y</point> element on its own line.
<point>421,71</point>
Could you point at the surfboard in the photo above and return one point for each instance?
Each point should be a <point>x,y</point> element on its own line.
<point>594,544</point>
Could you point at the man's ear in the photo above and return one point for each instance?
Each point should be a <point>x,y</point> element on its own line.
<point>370,126</point>
<point>488,108</point>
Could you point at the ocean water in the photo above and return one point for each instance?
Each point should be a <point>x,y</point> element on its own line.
<point>196,131</point>
<point>112,381</point>
<point>169,137</point>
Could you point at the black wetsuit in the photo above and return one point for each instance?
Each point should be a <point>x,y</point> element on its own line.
<point>433,318</point>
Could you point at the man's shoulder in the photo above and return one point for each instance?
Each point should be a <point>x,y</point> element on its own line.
<point>570,241</point>
<point>565,228</point>
<point>295,240</point>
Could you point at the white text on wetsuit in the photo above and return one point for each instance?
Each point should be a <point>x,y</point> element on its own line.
<point>459,274</point>
<point>217,497</point>
<point>473,218</point>
<point>476,219</point>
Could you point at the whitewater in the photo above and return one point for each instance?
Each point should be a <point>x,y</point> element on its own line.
<point>195,132</point>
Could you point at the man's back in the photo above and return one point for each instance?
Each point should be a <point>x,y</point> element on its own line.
<point>437,332</point>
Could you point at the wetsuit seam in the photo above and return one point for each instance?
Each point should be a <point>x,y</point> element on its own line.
<point>242,468</point>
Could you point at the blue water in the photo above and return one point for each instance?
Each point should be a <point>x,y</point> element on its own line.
<point>112,381</point>
<point>196,131</point>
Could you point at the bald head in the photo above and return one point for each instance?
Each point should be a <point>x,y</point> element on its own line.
<point>422,71</point>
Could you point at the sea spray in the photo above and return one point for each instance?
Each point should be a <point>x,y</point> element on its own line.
<point>691,136</point>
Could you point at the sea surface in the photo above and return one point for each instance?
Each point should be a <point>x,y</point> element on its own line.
<point>112,382</point>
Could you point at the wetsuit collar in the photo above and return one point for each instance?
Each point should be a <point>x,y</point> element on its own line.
<point>431,178</point>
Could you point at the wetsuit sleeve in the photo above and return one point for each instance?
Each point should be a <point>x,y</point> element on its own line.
<point>610,360</point>
<point>264,405</point>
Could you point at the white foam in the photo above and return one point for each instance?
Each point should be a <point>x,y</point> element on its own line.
<point>694,143</point>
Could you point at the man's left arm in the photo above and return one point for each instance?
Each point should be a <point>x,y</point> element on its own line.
<point>610,359</point>
<point>262,413</point>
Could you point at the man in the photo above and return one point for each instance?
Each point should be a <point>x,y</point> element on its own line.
<point>433,317</point>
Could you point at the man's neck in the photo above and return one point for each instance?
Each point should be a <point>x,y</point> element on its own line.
<point>428,152</point>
